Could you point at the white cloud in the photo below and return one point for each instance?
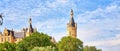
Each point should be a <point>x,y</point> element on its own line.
<point>110,42</point>
<point>92,25</point>
<point>99,19</point>
<point>58,3</point>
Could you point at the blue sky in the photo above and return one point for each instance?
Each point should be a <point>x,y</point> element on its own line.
<point>98,21</point>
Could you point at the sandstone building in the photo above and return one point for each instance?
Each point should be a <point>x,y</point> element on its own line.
<point>14,37</point>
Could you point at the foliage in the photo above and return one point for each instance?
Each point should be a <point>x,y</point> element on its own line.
<point>70,44</point>
<point>99,50</point>
<point>48,48</point>
<point>36,39</point>
<point>7,46</point>
<point>86,48</point>
<point>41,42</point>
<point>90,48</point>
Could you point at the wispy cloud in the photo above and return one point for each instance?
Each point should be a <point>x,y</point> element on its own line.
<point>113,41</point>
<point>100,27</point>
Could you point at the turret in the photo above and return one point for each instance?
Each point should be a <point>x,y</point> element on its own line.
<point>30,28</point>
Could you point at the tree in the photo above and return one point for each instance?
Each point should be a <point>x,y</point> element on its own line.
<point>70,44</point>
<point>86,48</point>
<point>99,50</point>
<point>7,46</point>
<point>35,40</point>
<point>48,48</point>
<point>91,48</point>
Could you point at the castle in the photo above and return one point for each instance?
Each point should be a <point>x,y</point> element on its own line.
<point>14,37</point>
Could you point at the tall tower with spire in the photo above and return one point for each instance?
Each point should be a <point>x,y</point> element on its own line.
<point>30,28</point>
<point>72,26</point>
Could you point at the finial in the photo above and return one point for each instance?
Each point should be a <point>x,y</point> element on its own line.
<point>30,20</point>
<point>71,13</point>
<point>12,29</point>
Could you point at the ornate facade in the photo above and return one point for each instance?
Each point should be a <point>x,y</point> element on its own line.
<point>14,37</point>
<point>72,26</point>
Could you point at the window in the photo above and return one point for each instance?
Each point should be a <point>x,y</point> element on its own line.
<point>1,39</point>
<point>8,39</point>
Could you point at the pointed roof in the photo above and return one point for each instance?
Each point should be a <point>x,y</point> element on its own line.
<point>9,32</point>
<point>19,34</point>
<point>30,28</point>
<point>30,23</point>
<point>53,40</point>
<point>71,22</point>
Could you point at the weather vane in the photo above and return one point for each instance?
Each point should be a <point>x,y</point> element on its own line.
<point>1,19</point>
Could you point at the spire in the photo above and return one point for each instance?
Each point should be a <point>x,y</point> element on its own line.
<point>30,20</point>
<point>71,13</point>
<point>30,29</point>
<point>71,22</point>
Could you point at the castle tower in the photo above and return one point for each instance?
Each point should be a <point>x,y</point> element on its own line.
<point>72,26</point>
<point>30,28</point>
